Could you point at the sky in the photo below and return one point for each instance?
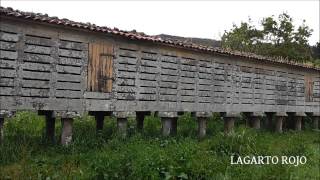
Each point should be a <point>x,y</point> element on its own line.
<point>203,19</point>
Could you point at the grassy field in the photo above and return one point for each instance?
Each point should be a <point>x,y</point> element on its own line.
<point>25,154</point>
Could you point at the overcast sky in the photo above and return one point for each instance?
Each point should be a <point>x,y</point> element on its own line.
<point>204,19</point>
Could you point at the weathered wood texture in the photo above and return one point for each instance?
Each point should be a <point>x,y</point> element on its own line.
<point>53,68</point>
<point>100,67</point>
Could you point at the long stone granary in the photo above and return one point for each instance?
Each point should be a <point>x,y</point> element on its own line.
<point>51,64</point>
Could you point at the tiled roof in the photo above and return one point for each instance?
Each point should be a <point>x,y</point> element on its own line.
<point>134,35</point>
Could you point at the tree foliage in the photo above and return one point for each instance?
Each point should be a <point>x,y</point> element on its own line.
<point>316,54</point>
<point>276,37</point>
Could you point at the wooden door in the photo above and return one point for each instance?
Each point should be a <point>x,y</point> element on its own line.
<point>308,83</point>
<point>100,67</point>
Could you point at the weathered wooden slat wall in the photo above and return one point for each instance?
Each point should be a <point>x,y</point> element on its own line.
<point>8,63</point>
<point>38,67</point>
<point>70,70</point>
<point>186,80</point>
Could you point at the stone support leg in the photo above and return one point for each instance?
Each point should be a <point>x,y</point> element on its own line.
<point>174,125</point>
<point>122,126</point>
<point>229,119</point>
<point>169,122</point>
<point>255,119</point>
<point>1,129</point>
<point>279,122</point>
<point>202,118</point>
<point>269,118</point>
<point>315,122</point>
<point>122,121</point>
<point>297,125</point>
<point>255,122</point>
<point>280,118</point>
<point>228,125</point>
<point>140,119</point>
<point>202,127</point>
<point>66,135</point>
<point>99,121</point>
<point>50,127</point>
<point>298,119</point>
<point>166,126</point>
<point>3,114</point>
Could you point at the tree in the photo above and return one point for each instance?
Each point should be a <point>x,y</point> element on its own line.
<point>276,37</point>
<point>316,54</point>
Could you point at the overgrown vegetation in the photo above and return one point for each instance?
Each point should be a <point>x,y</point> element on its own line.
<point>275,37</point>
<point>25,154</point>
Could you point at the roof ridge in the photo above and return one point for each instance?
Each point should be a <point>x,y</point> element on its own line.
<point>134,35</point>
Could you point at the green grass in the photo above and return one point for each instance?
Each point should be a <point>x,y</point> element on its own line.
<point>25,154</point>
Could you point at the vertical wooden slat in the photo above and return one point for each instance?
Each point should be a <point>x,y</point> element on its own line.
<point>96,66</point>
<point>110,71</point>
<point>89,88</point>
<point>105,66</point>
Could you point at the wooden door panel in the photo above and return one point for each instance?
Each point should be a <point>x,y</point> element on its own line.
<point>100,68</point>
<point>308,88</point>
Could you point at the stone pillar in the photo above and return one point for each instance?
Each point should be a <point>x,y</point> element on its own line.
<point>168,126</point>
<point>315,120</point>
<point>202,127</point>
<point>269,118</point>
<point>290,121</point>
<point>174,125</point>
<point>50,121</point>
<point>50,126</point>
<point>194,115</point>
<point>66,135</point>
<point>229,119</point>
<point>67,124</point>
<point>255,122</point>
<point>297,125</point>
<point>255,119</point>
<point>140,118</point>
<point>248,120</point>
<point>298,120</point>
<point>228,125</point>
<point>202,118</point>
<point>99,117</point>
<point>122,124</point>
<point>122,121</point>
<point>3,114</point>
<point>280,117</point>
<point>1,129</point>
<point>156,113</point>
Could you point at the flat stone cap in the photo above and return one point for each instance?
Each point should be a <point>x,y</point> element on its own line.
<point>6,113</point>
<point>257,114</point>
<point>232,114</point>
<point>66,114</point>
<point>168,114</point>
<point>281,114</point>
<point>203,114</point>
<point>316,114</point>
<point>300,114</point>
<point>124,114</point>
